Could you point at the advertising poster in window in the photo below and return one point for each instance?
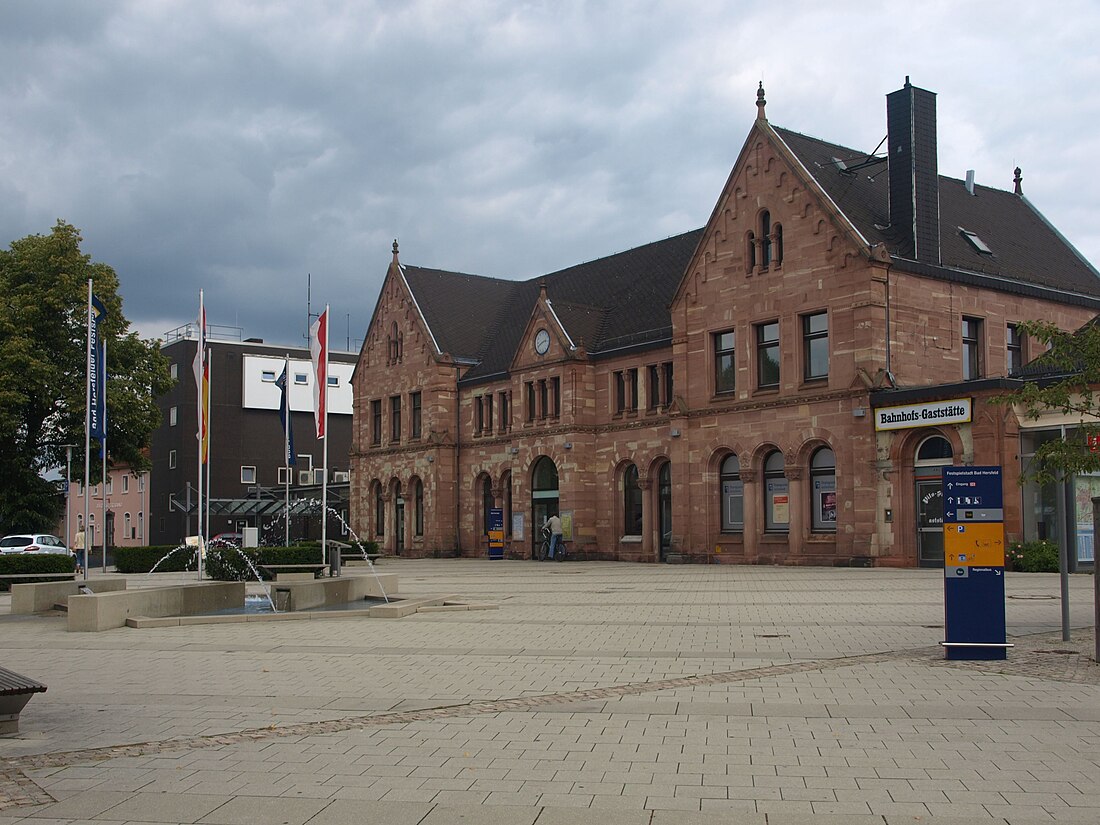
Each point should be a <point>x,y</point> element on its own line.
<point>825,493</point>
<point>781,508</point>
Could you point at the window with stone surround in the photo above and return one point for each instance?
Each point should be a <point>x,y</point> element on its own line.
<point>725,367</point>
<point>767,355</point>
<point>395,418</point>
<point>731,495</point>
<point>1016,349</point>
<point>530,387</point>
<point>376,421</point>
<point>777,496</point>
<point>414,415</point>
<point>505,415</point>
<point>620,392</point>
<point>972,348</point>
<point>815,346</point>
<point>632,502</point>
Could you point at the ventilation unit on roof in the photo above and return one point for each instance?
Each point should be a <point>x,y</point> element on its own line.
<point>841,165</point>
<point>975,241</point>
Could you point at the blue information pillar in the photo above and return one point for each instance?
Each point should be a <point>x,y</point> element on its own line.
<point>974,563</point>
<point>496,533</point>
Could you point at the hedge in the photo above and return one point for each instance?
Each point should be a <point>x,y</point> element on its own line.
<point>222,563</point>
<point>23,563</point>
<point>143,559</point>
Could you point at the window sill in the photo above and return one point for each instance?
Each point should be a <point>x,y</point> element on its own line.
<point>813,383</point>
<point>630,539</point>
<point>768,390</point>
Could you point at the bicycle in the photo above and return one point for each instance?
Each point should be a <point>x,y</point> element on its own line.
<point>543,550</point>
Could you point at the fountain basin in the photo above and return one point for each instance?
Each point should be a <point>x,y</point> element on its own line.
<point>103,611</point>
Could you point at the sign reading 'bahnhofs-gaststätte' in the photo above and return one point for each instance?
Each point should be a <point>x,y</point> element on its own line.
<point>907,416</point>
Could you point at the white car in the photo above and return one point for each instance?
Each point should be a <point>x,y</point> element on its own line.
<point>33,543</point>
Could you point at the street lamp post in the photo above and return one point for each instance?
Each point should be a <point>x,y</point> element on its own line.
<point>68,490</point>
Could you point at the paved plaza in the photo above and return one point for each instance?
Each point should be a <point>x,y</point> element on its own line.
<point>596,693</point>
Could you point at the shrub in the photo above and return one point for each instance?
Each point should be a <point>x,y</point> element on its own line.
<point>1039,556</point>
<point>25,563</point>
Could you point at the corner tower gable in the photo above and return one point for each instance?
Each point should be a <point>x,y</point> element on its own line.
<point>769,204</point>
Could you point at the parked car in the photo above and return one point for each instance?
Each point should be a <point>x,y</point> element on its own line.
<point>228,539</point>
<point>33,543</point>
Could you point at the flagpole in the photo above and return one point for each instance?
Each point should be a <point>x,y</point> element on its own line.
<point>207,392</point>
<point>102,370</point>
<point>286,449</point>
<point>324,481</point>
<point>200,362</point>
<point>87,433</point>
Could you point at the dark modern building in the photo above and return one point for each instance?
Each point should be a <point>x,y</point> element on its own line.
<point>247,469</point>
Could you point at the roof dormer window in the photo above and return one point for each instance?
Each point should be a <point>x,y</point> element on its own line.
<point>979,245</point>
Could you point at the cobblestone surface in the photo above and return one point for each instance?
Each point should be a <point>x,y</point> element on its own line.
<point>596,694</point>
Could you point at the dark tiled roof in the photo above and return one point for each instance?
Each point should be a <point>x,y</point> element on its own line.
<point>461,310</point>
<point>602,303</point>
<point>1026,249</point>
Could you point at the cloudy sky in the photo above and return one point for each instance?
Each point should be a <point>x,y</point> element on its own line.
<point>238,145</point>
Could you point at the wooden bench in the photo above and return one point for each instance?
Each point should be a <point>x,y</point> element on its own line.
<point>15,691</point>
<point>293,572</point>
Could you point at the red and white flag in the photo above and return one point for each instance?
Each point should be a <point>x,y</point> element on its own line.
<point>318,350</point>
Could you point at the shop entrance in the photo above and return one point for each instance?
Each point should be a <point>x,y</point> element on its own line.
<point>544,498</point>
<point>932,454</point>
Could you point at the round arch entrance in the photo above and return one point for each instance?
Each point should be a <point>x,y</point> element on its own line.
<point>544,497</point>
<point>932,454</point>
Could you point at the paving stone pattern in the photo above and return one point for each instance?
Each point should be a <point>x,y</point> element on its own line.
<point>609,693</point>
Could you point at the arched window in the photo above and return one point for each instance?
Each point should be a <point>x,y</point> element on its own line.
<point>379,511</point>
<point>777,496</point>
<point>487,503</point>
<point>750,251</point>
<point>732,495</point>
<point>765,238</point>
<point>823,480</point>
<point>934,449</point>
<point>632,502</point>
<point>418,507</point>
<point>778,249</point>
<point>126,534</point>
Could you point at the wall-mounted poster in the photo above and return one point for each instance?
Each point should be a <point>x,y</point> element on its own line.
<point>517,526</point>
<point>827,504</point>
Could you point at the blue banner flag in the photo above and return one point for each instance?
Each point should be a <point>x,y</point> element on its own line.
<point>288,443</point>
<point>97,375</point>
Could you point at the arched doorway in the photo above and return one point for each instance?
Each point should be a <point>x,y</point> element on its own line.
<point>932,454</point>
<point>544,497</point>
<point>664,508</point>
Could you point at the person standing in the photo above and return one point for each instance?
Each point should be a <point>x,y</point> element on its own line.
<point>81,554</point>
<point>554,523</point>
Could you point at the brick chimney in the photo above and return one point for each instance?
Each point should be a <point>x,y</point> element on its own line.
<point>914,172</point>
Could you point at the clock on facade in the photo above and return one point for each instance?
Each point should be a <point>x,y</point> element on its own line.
<point>542,341</point>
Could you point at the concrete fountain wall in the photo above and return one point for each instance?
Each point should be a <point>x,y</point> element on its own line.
<point>103,611</point>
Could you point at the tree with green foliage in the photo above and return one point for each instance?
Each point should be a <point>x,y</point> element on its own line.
<point>43,361</point>
<point>1064,380</point>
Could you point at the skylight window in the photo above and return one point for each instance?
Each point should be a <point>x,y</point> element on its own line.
<point>975,241</point>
